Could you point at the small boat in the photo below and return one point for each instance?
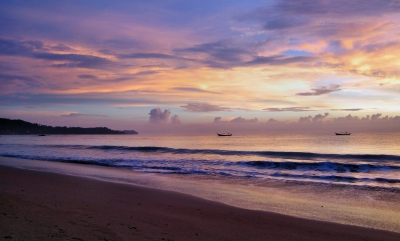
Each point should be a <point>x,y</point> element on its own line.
<point>343,133</point>
<point>224,134</point>
<point>42,135</point>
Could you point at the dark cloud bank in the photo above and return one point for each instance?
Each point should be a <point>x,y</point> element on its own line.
<point>319,123</point>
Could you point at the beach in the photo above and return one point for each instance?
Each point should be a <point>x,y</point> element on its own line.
<point>38,205</point>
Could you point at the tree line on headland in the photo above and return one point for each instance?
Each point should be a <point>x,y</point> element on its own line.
<point>20,127</point>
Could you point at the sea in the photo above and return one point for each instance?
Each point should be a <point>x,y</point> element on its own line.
<point>362,159</point>
<point>352,179</point>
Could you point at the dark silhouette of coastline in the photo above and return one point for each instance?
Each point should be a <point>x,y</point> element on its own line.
<point>20,127</point>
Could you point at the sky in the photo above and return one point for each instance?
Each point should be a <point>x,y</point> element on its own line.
<point>196,66</point>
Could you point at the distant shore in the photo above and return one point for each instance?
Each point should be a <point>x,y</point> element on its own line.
<point>41,205</point>
<point>20,127</point>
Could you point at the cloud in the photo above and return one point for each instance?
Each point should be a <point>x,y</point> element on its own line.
<point>294,109</point>
<point>146,72</point>
<point>175,120</point>
<point>243,120</point>
<point>339,8</point>
<point>220,54</point>
<point>36,50</point>
<point>74,60</point>
<point>81,115</point>
<point>224,50</point>
<point>272,120</point>
<point>237,120</point>
<point>189,89</point>
<point>13,83</point>
<point>375,119</point>
<point>284,23</point>
<point>353,43</point>
<point>320,117</point>
<point>87,76</point>
<point>233,52</point>
<point>158,116</point>
<point>122,78</point>
<point>6,77</point>
<point>305,119</point>
<point>278,60</point>
<point>147,56</point>
<point>19,48</point>
<point>203,107</point>
<point>286,14</point>
<point>347,118</point>
<point>217,119</point>
<point>61,47</point>
<point>351,109</point>
<point>316,118</point>
<point>114,98</point>
<point>321,90</point>
<point>376,116</point>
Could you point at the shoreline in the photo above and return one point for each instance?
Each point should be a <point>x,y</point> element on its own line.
<point>44,205</point>
<point>120,211</point>
<point>356,206</point>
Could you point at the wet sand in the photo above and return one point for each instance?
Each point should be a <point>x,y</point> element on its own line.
<point>38,205</point>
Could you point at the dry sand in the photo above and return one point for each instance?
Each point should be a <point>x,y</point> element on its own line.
<point>38,205</point>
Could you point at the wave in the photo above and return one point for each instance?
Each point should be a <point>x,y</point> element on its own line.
<point>334,178</point>
<point>184,164</point>
<point>327,169</point>
<point>276,154</point>
<point>147,166</point>
<point>320,166</point>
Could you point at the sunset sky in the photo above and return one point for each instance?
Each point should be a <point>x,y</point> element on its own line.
<point>177,65</point>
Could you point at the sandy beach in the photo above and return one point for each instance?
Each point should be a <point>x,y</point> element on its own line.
<point>48,206</point>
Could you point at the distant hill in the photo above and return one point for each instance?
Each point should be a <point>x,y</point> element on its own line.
<point>20,127</point>
<point>130,132</point>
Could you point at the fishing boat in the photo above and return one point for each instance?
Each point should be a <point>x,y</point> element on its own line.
<point>224,134</point>
<point>343,133</point>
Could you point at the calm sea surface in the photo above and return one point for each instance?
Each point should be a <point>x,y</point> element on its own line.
<point>360,159</point>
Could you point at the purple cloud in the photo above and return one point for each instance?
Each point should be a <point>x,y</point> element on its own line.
<point>272,120</point>
<point>81,115</point>
<point>147,56</point>
<point>74,60</point>
<point>316,118</point>
<point>321,90</point>
<point>278,60</point>
<point>320,117</point>
<point>243,120</point>
<point>294,109</point>
<point>175,120</point>
<point>19,48</point>
<point>376,116</point>
<point>347,118</point>
<point>87,76</point>
<point>352,109</point>
<point>217,119</point>
<point>158,116</point>
<point>203,107</point>
<point>338,8</point>
<point>189,89</point>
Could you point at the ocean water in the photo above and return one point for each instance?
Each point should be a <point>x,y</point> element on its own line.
<point>362,159</point>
